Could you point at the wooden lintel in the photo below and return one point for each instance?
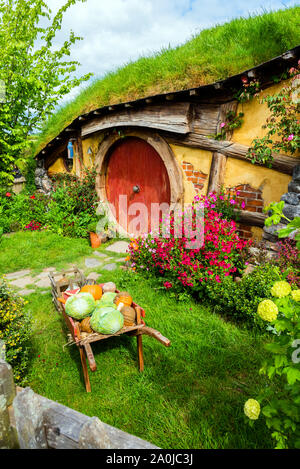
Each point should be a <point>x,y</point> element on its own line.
<point>252,218</point>
<point>173,118</point>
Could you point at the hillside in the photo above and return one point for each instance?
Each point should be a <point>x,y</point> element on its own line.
<point>214,54</point>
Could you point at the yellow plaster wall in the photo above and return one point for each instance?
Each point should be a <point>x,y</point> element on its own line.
<point>92,142</point>
<point>255,115</point>
<point>57,167</point>
<point>200,159</point>
<point>272,183</point>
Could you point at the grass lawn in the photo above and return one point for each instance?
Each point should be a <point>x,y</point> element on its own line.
<point>190,395</point>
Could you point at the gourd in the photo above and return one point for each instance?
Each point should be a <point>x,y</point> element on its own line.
<point>129,315</point>
<point>95,290</point>
<point>123,297</point>
<point>85,325</point>
<point>109,287</point>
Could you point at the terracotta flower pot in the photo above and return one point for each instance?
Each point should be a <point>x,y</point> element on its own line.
<point>95,240</point>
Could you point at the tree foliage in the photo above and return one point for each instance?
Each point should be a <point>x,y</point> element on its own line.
<point>35,74</point>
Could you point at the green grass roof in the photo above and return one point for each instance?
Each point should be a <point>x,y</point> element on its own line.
<point>214,54</point>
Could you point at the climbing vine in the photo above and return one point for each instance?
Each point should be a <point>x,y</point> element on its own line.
<point>283,129</point>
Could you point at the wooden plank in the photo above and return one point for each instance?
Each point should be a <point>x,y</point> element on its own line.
<point>90,357</point>
<point>205,118</point>
<point>45,424</point>
<point>173,117</point>
<point>217,173</point>
<point>281,163</point>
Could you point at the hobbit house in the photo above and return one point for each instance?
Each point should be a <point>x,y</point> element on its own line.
<point>165,148</point>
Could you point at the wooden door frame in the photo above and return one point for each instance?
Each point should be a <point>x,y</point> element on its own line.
<point>162,148</point>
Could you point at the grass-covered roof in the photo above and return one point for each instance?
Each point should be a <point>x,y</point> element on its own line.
<point>212,55</point>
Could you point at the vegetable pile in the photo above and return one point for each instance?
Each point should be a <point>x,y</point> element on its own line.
<point>100,309</point>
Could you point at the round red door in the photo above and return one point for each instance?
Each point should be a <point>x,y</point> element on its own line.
<point>136,179</point>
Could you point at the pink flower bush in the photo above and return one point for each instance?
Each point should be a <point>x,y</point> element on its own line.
<point>222,253</point>
<point>33,226</point>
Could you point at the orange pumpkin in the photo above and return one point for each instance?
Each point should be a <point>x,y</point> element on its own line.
<point>123,297</point>
<point>95,290</point>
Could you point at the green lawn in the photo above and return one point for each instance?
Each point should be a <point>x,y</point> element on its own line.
<point>190,395</point>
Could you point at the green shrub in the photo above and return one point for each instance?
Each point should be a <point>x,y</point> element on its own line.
<point>15,330</point>
<point>282,410</point>
<point>240,300</point>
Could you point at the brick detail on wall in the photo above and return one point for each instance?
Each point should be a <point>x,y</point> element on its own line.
<point>251,197</point>
<point>196,177</point>
<point>244,231</point>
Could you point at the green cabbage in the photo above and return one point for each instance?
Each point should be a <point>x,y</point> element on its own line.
<point>80,306</point>
<point>108,298</point>
<point>107,320</point>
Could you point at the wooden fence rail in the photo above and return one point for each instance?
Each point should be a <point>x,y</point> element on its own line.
<point>30,421</point>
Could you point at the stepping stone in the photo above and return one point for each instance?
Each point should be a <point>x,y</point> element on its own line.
<point>110,267</point>
<point>22,282</point>
<point>99,254</point>
<point>119,247</point>
<point>90,262</point>
<point>25,292</point>
<point>43,275</point>
<point>43,283</point>
<point>19,274</point>
<point>93,276</point>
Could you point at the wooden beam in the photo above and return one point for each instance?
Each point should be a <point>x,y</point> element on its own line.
<point>174,118</point>
<point>217,173</point>
<point>282,163</point>
<point>252,218</point>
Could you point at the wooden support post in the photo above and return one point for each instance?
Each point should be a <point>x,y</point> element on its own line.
<point>139,339</point>
<point>217,173</point>
<point>8,438</point>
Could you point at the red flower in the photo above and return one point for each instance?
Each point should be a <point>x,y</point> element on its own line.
<point>32,197</point>
<point>8,194</point>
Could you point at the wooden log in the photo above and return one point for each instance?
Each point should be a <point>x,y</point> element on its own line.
<point>44,424</point>
<point>217,173</point>
<point>281,163</point>
<point>139,340</point>
<point>171,118</point>
<point>252,218</point>
<point>90,357</point>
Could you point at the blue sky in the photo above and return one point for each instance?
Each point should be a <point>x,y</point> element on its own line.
<point>118,31</point>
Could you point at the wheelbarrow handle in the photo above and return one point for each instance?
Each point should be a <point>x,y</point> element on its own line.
<point>155,334</point>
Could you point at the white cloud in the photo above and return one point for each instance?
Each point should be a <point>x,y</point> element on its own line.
<point>117,31</point>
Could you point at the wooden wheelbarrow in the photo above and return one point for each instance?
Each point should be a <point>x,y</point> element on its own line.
<point>84,341</point>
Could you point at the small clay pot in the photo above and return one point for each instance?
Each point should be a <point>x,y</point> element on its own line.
<point>95,240</point>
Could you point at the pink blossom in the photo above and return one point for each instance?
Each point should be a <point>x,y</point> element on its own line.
<point>290,137</point>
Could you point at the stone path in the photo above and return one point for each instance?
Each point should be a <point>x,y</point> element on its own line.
<point>26,282</point>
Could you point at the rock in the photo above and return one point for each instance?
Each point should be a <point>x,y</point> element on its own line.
<point>294,186</point>
<point>110,267</point>
<point>43,283</point>
<point>90,262</point>
<point>237,279</point>
<point>291,211</point>
<point>296,173</point>
<point>42,181</point>
<point>291,198</point>
<point>99,254</point>
<point>16,275</point>
<point>248,269</point>
<point>93,276</point>
<point>25,292</point>
<point>120,247</point>
<point>23,282</point>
